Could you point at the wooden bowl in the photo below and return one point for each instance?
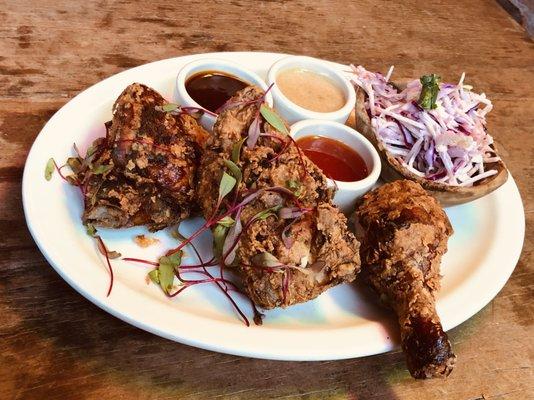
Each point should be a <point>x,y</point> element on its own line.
<point>392,169</point>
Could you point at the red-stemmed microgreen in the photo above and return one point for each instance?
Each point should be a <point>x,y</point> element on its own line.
<point>235,171</point>
<point>176,109</point>
<point>292,212</point>
<point>236,150</point>
<point>103,249</point>
<point>273,119</point>
<point>285,235</point>
<point>241,103</point>
<point>254,131</point>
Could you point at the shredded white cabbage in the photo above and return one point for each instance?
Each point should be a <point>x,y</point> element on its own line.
<point>448,144</point>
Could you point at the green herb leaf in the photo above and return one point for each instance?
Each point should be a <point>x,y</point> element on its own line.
<point>91,150</point>
<point>267,213</point>
<point>175,258</point>
<point>154,276</point>
<point>236,150</point>
<point>101,169</point>
<point>273,119</point>
<point>166,270</point>
<point>235,170</point>
<point>90,230</point>
<point>219,234</point>
<point>75,164</point>
<point>170,107</point>
<point>49,169</point>
<point>295,186</point>
<point>226,221</point>
<point>227,184</point>
<point>429,91</point>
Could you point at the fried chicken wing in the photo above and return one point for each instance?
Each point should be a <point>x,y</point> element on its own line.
<point>281,261</point>
<point>404,233</point>
<point>143,172</point>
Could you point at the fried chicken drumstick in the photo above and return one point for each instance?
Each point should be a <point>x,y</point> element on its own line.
<point>294,244</point>
<point>404,234</point>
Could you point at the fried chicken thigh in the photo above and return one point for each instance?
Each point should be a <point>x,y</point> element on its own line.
<point>143,172</point>
<point>404,233</point>
<point>315,251</point>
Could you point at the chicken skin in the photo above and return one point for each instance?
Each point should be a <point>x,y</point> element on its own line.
<point>281,259</point>
<point>404,233</point>
<point>143,172</point>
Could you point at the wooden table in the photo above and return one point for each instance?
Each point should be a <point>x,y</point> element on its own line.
<point>54,344</point>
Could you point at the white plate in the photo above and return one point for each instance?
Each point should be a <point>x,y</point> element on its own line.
<point>342,323</point>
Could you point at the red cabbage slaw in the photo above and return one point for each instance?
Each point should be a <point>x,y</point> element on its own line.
<point>448,144</point>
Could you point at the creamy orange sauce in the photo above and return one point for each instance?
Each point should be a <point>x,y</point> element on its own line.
<point>310,90</point>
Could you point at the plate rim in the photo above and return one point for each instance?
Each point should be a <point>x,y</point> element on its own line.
<point>298,354</point>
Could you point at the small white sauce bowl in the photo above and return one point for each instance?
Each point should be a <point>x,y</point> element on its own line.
<point>293,112</point>
<point>347,192</point>
<point>213,64</point>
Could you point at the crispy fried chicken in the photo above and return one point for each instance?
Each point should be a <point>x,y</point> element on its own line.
<point>143,172</point>
<point>404,234</point>
<point>281,261</point>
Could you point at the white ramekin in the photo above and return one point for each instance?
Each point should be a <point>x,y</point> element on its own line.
<point>293,112</point>
<point>214,64</point>
<point>347,192</point>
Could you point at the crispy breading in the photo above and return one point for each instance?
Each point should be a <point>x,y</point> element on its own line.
<point>153,157</point>
<point>323,252</point>
<point>404,233</point>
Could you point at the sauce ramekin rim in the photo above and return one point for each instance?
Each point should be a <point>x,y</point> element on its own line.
<point>374,171</point>
<point>321,66</point>
<point>189,69</point>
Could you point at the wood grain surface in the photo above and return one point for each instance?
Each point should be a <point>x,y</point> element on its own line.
<point>54,344</point>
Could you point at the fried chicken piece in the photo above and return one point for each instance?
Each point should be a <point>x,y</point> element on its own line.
<point>404,234</point>
<point>318,251</point>
<point>147,164</point>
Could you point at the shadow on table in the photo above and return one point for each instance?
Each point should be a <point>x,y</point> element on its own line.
<point>58,345</point>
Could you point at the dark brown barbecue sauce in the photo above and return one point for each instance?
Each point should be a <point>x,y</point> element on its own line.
<point>211,89</point>
<point>337,160</point>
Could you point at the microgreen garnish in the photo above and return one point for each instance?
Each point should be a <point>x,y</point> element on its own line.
<point>75,164</point>
<point>176,109</point>
<point>90,230</point>
<point>103,249</point>
<point>219,234</point>
<point>101,169</point>
<point>167,266</point>
<point>292,212</point>
<point>262,215</point>
<point>154,276</point>
<point>295,186</point>
<point>266,260</point>
<point>235,170</point>
<point>429,91</point>
<point>231,240</point>
<point>287,239</point>
<point>236,150</point>
<point>49,169</point>
<point>273,119</point>
<point>169,107</point>
<point>254,131</point>
<point>227,184</point>
<point>226,221</point>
